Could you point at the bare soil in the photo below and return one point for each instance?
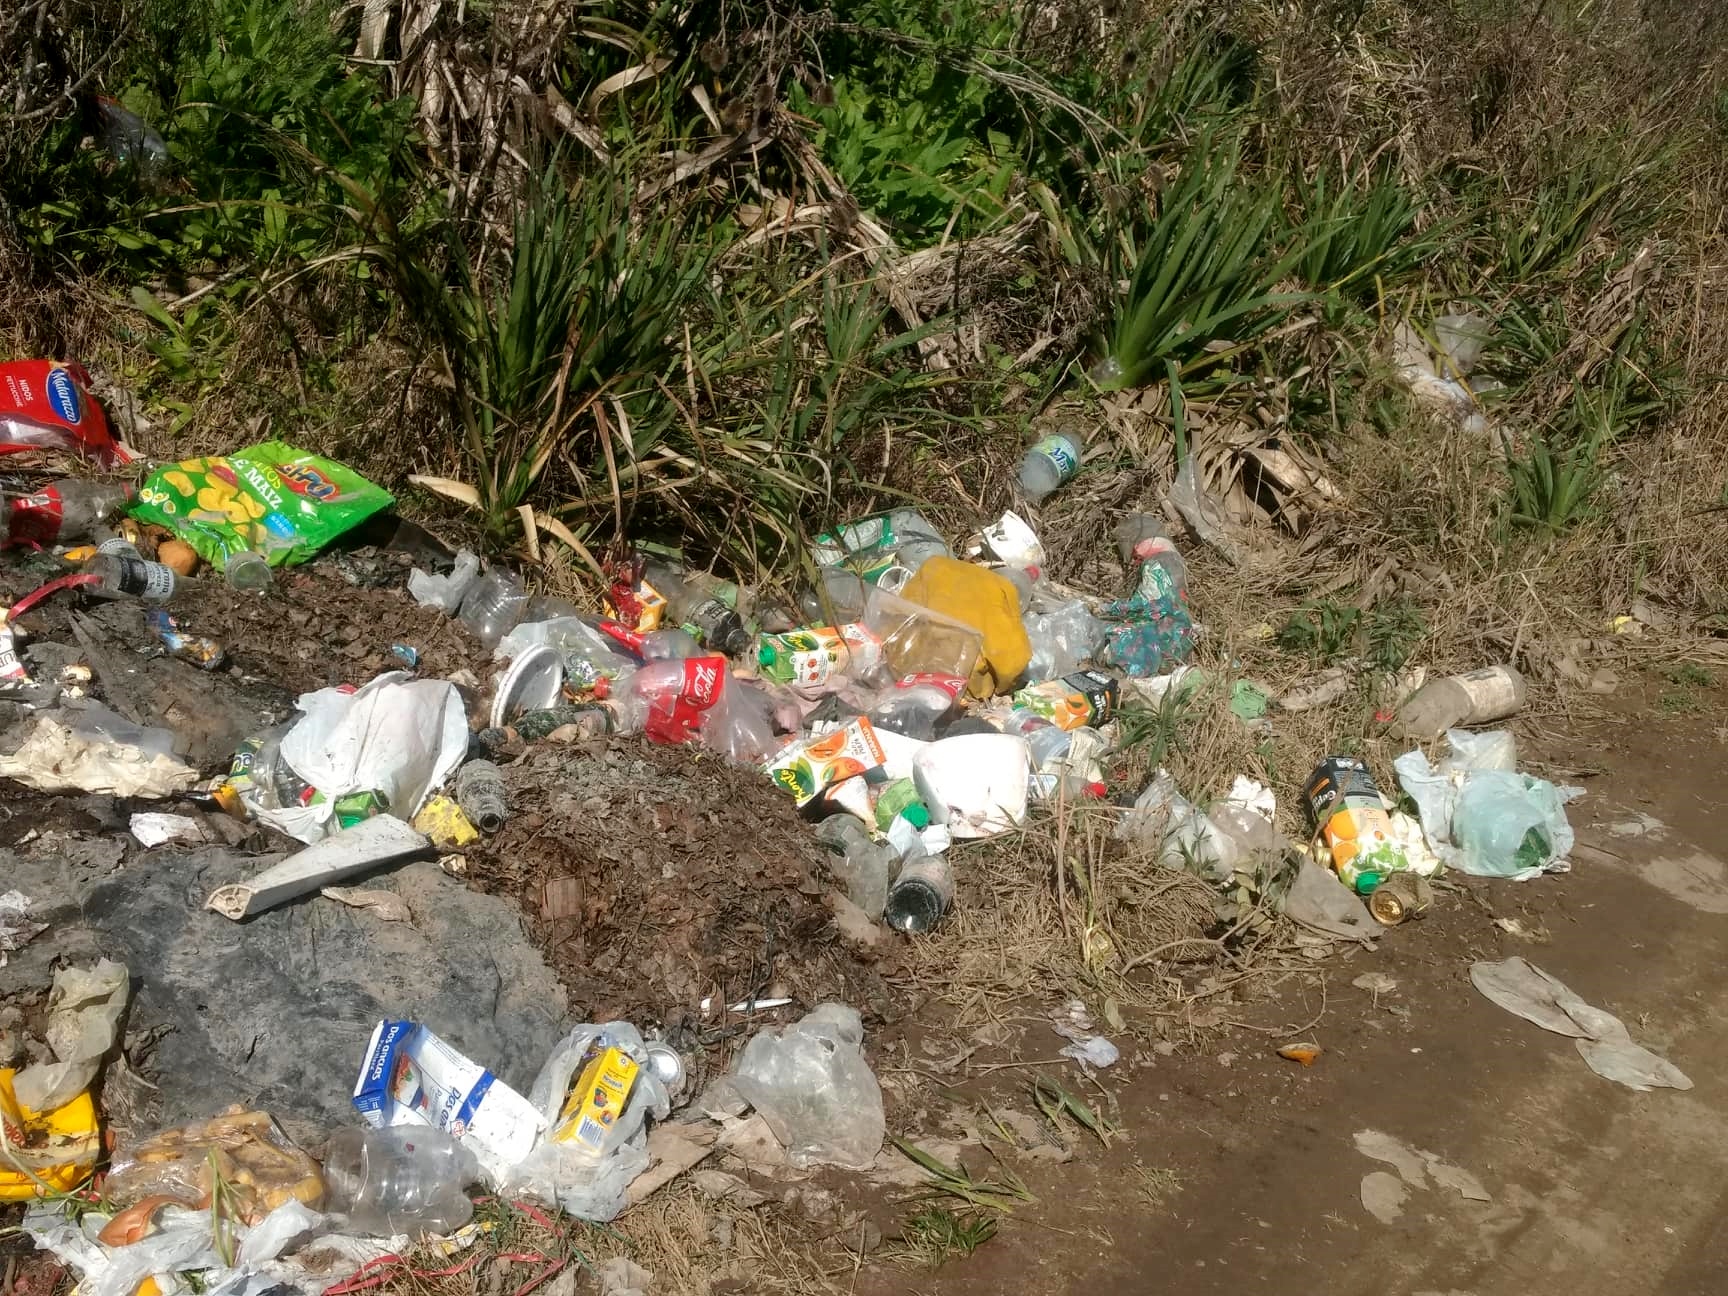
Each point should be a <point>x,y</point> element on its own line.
<point>1236,1169</point>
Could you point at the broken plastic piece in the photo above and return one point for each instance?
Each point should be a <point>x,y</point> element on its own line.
<point>371,844</point>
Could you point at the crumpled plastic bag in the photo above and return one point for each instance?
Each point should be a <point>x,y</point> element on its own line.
<point>588,1187</point>
<point>95,750</point>
<point>444,592</point>
<point>984,600</point>
<point>1184,837</point>
<point>84,1011</point>
<point>812,1085</point>
<point>1062,637</point>
<point>278,1250</point>
<point>1318,901</point>
<point>1483,818</point>
<point>398,736</point>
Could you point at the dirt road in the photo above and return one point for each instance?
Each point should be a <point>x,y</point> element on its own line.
<point>1595,1188</point>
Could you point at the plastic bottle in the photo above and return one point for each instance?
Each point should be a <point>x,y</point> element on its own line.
<point>63,510</point>
<point>840,599</point>
<point>1476,697</point>
<point>1048,464</point>
<point>492,606</point>
<point>1143,538</point>
<point>921,893</point>
<point>274,784</point>
<point>704,614</point>
<point>405,1179</point>
<point>248,571</point>
<point>480,793</point>
<point>865,866</point>
<point>119,576</point>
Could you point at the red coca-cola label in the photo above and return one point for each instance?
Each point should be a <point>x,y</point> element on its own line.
<point>36,519</point>
<point>677,716</point>
<point>952,685</point>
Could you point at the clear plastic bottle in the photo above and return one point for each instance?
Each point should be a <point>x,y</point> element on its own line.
<point>69,509</point>
<point>703,613</point>
<point>1048,464</point>
<point>121,576</point>
<point>405,1179</point>
<point>248,571</point>
<point>840,599</point>
<point>492,606</point>
<point>865,866</point>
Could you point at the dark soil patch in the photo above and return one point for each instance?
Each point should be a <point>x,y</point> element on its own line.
<point>656,878</point>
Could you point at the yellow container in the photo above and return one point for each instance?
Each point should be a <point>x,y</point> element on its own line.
<point>45,1153</point>
<point>597,1100</point>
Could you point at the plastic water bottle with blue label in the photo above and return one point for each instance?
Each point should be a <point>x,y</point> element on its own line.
<point>1048,464</point>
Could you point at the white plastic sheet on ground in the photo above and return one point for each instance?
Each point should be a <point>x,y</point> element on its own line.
<point>398,736</point>
<point>1521,987</point>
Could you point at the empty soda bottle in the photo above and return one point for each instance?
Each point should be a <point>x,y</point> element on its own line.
<point>62,511</point>
<point>405,1179</point>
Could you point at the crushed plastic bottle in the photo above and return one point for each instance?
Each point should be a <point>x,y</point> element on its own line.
<point>493,606</point>
<point>61,511</point>
<point>703,614</point>
<point>403,1179</point>
<point>1152,627</point>
<point>865,866</point>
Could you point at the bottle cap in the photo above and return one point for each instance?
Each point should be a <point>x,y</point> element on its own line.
<point>1368,882</point>
<point>916,813</point>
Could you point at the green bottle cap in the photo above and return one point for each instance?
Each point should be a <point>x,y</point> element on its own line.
<point>1368,882</point>
<point>917,814</point>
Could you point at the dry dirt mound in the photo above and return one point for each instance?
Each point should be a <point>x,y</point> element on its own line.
<point>656,878</point>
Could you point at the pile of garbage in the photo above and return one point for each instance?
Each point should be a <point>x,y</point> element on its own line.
<point>916,696</point>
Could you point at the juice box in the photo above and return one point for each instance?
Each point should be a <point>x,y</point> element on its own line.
<point>809,767</point>
<point>1084,698</point>
<point>596,1100</point>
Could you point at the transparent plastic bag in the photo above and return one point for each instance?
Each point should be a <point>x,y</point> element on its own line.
<point>1510,825</point>
<point>259,1166</point>
<point>586,1186</point>
<point>812,1085</point>
<point>1165,820</point>
<point>1063,637</point>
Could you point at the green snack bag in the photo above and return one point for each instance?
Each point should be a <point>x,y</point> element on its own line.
<point>271,499</point>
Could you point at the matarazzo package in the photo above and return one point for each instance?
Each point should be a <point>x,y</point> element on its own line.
<point>411,1077</point>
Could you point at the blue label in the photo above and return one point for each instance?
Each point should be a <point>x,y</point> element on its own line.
<point>63,396</point>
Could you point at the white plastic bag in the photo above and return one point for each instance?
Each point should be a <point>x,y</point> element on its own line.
<point>83,1019</point>
<point>589,1187</point>
<point>812,1085</point>
<point>399,736</point>
<point>1481,816</point>
<point>444,592</point>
